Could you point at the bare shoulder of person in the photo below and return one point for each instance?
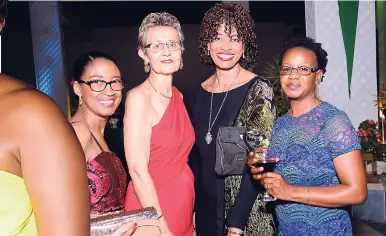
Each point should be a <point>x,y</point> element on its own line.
<point>247,76</point>
<point>138,105</point>
<point>32,103</point>
<point>138,98</point>
<point>36,114</point>
<point>10,84</point>
<point>79,126</point>
<point>52,159</point>
<point>83,132</point>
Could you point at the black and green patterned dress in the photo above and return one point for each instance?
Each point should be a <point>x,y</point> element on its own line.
<point>217,200</point>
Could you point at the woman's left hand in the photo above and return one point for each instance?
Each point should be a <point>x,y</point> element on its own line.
<point>277,186</point>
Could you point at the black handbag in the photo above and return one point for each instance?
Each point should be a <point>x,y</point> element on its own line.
<point>233,143</point>
<point>231,151</point>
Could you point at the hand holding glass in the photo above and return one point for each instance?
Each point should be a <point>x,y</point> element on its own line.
<point>268,165</point>
<point>261,160</point>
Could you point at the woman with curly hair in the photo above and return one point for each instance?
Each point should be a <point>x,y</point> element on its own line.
<point>320,169</point>
<point>232,97</point>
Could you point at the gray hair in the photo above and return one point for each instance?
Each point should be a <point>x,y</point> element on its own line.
<point>159,19</point>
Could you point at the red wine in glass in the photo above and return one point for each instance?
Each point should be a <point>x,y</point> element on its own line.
<point>267,164</point>
<point>263,161</point>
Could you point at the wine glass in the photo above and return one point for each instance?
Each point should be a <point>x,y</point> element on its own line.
<point>268,163</point>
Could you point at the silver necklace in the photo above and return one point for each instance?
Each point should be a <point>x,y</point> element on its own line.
<point>157,90</point>
<point>208,136</point>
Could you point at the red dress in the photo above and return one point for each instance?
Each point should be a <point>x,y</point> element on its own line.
<point>171,141</point>
<point>106,183</point>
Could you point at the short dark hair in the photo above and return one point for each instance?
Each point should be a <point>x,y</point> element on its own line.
<point>84,60</point>
<point>3,9</point>
<point>310,44</point>
<point>233,15</point>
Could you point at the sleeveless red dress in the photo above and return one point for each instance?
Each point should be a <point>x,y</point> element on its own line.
<point>171,141</point>
<point>106,184</point>
<point>107,181</point>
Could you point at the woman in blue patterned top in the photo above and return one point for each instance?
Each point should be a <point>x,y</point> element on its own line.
<point>320,169</point>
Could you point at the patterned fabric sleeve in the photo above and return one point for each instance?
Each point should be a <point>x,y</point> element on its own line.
<point>340,135</point>
<point>257,114</point>
<point>260,111</point>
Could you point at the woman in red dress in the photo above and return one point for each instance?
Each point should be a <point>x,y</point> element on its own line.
<point>158,133</point>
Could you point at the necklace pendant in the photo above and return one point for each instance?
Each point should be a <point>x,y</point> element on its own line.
<point>208,137</point>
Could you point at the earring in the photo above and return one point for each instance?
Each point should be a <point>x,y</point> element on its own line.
<point>243,55</point>
<point>317,91</point>
<point>80,101</point>
<point>181,64</point>
<point>208,52</point>
<point>146,66</point>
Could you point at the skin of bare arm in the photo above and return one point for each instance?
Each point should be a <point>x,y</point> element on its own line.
<point>53,166</point>
<point>351,191</point>
<point>137,135</point>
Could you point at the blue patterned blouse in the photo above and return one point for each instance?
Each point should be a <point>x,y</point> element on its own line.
<point>306,146</point>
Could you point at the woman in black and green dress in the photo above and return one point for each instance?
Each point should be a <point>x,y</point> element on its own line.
<point>231,96</point>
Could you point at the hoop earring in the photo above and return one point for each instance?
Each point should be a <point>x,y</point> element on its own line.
<point>181,64</point>
<point>146,66</point>
<point>80,101</point>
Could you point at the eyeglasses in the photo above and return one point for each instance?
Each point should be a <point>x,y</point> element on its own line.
<point>159,47</point>
<point>100,85</point>
<point>301,70</point>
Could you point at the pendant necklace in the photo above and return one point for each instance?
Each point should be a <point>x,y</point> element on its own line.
<point>208,136</point>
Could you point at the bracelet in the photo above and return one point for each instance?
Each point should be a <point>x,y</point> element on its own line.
<point>308,195</point>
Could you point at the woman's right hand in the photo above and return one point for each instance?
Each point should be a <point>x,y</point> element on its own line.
<point>125,230</point>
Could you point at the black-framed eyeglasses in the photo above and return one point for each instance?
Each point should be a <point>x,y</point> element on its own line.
<point>301,70</point>
<point>159,47</point>
<point>100,85</point>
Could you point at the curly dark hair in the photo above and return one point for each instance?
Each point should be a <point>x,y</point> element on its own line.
<point>310,44</point>
<point>233,15</point>
<point>3,9</point>
<point>3,13</point>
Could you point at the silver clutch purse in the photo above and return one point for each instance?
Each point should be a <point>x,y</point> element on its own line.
<point>147,222</point>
